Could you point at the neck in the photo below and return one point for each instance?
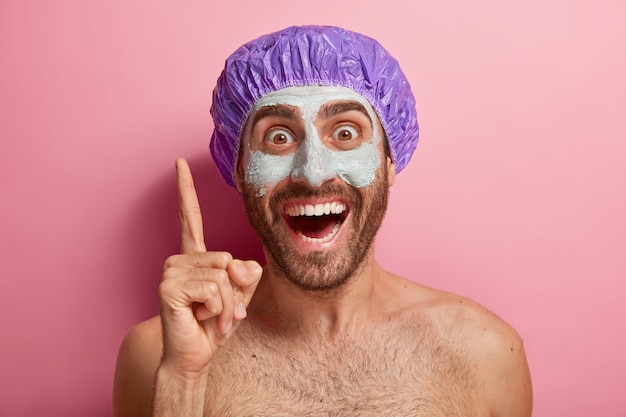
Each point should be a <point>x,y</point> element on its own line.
<point>326,312</point>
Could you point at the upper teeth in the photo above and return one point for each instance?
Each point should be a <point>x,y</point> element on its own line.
<point>315,209</point>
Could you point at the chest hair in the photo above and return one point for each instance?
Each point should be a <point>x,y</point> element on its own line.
<point>399,370</point>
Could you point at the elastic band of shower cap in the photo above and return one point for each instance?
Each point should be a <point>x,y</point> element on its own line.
<point>311,55</point>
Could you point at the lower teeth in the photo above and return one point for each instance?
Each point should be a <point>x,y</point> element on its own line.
<point>324,239</point>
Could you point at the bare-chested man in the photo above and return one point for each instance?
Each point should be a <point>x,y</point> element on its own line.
<point>311,125</point>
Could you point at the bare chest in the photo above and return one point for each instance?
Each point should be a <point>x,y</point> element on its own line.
<point>364,375</point>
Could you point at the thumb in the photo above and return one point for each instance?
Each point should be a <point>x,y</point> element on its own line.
<point>245,275</point>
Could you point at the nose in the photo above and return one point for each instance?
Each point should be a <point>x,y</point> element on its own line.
<point>313,162</point>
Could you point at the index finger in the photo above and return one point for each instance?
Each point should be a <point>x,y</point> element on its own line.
<point>192,233</point>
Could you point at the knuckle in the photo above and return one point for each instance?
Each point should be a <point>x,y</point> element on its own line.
<point>223,258</point>
<point>213,302</point>
<point>220,276</point>
<point>169,274</point>
<point>211,289</point>
<point>214,309</point>
<point>171,261</point>
<point>167,287</point>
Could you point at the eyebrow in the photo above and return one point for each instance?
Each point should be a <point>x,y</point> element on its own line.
<point>280,110</point>
<point>338,107</point>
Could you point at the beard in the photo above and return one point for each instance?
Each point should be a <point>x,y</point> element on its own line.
<point>324,270</point>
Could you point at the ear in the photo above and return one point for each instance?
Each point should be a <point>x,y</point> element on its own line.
<point>242,160</point>
<point>239,176</point>
<point>391,171</point>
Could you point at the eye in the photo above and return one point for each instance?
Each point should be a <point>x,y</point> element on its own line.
<point>279,137</point>
<point>345,133</point>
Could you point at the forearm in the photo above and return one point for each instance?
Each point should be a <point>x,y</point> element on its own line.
<point>177,396</point>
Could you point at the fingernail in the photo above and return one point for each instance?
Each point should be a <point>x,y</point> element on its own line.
<point>229,327</point>
<point>240,311</point>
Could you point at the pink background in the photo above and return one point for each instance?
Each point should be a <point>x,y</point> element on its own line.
<point>516,195</point>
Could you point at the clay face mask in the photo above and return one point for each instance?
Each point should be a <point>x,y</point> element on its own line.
<point>313,160</point>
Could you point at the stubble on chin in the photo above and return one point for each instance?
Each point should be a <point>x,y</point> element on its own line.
<point>319,272</point>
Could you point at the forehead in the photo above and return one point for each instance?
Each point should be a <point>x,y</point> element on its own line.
<point>309,99</point>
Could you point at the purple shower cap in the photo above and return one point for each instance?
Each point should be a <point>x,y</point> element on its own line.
<point>311,55</point>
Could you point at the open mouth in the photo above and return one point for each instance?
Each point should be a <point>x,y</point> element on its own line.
<point>316,223</point>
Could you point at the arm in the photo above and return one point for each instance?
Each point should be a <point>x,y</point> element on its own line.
<point>508,382</point>
<point>176,395</point>
<point>137,361</point>
<point>513,387</point>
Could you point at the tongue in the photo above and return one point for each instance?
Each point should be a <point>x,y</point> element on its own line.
<point>315,227</point>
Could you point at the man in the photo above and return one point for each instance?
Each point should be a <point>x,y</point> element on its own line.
<point>311,125</point>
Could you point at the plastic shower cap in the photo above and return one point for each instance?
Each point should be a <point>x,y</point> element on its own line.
<point>311,55</point>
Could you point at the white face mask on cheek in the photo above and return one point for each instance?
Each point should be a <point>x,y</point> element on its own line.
<point>313,161</point>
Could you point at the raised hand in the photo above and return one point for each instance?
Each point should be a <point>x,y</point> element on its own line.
<point>203,294</point>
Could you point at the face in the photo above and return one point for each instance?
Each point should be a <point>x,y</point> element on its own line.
<point>315,181</point>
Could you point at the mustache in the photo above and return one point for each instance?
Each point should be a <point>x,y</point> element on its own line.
<point>301,191</point>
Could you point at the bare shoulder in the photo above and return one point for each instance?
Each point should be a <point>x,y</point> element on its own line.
<point>494,349</point>
<point>138,358</point>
